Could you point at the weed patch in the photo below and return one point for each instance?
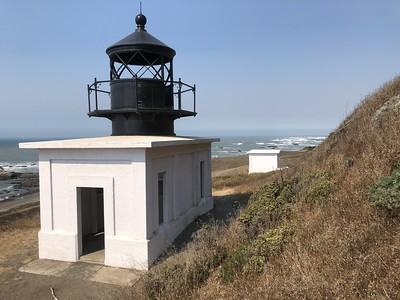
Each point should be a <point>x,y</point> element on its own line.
<point>319,186</point>
<point>250,258</point>
<point>268,204</point>
<point>385,193</point>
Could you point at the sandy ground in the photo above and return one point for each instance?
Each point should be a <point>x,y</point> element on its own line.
<point>8,206</point>
<point>18,240</point>
<point>18,246</point>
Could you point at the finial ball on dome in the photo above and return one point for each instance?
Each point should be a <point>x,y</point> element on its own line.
<point>140,20</point>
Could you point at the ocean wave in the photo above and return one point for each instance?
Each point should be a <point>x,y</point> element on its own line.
<point>300,141</point>
<point>20,167</point>
<point>228,151</point>
<point>291,140</point>
<point>230,146</point>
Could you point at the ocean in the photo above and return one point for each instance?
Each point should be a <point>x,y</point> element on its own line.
<point>21,160</point>
<point>17,160</point>
<point>26,161</point>
<point>231,146</point>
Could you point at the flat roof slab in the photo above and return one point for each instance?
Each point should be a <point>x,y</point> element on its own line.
<point>264,151</point>
<point>113,142</point>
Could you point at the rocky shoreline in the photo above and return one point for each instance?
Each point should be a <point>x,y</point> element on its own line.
<point>16,184</point>
<point>7,175</point>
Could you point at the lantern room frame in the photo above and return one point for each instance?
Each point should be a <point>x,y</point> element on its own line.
<point>144,98</point>
<point>157,67</point>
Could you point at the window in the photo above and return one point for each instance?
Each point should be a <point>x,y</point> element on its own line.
<point>161,191</point>
<point>201,179</point>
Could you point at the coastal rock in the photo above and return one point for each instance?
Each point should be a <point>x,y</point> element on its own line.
<point>393,104</point>
<point>18,184</point>
<point>4,175</point>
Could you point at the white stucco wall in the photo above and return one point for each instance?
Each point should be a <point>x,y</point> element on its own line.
<point>122,175</point>
<point>262,161</point>
<point>181,165</point>
<point>133,237</point>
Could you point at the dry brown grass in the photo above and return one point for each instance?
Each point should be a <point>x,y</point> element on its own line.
<point>243,182</point>
<point>225,163</point>
<point>342,247</point>
<point>18,238</point>
<point>182,273</point>
<point>232,172</point>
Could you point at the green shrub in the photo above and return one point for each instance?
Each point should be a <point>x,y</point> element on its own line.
<point>271,242</point>
<point>234,263</point>
<point>386,192</point>
<point>250,257</point>
<point>268,204</point>
<point>319,185</point>
<point>177,278</point>
<point>320,190</point>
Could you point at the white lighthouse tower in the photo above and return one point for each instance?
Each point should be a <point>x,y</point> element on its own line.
<point>124,198</point>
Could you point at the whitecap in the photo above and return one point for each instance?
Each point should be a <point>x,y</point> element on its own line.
<point>20,167</point>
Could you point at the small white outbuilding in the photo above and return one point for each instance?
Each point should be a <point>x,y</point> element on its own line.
<point>263,160</point>
<point>125,198</point>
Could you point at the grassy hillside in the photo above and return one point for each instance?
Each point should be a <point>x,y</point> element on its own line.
<point>327,228</point>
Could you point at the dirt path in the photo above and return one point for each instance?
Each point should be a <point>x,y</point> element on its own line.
<point>18,246</point>
<point>231,171</point>
<point>9,205</point>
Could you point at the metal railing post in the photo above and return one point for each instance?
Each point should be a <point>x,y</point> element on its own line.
<point>88,96</point>
<point>180,94</point>
<point>95,92</point>
<point>194,98</point>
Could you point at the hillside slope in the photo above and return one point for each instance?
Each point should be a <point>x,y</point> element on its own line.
<point>342,247</point>
<point>314,233</point>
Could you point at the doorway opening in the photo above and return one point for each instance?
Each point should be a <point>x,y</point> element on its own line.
<point>91,223</point>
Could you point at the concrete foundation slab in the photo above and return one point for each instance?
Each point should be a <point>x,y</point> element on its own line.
<point>93,258</point>
<point>117,276</point>
<point>45,267</point>
<point>82,271</point>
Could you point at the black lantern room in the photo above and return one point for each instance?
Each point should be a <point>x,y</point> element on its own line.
<point>145,99</point>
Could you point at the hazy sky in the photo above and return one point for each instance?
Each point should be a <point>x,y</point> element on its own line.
<point>258,65</point>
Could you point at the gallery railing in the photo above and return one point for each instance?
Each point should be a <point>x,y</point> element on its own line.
<point>100,95</point>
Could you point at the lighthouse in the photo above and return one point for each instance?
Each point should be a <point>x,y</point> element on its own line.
<point>122,199</point>
<point>145,99</point>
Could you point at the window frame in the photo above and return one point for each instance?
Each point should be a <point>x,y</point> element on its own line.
<point>202,172</point>
<point>161,179</point>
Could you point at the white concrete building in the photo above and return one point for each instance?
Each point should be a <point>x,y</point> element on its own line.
<point>128,195</point>
<point>263,160</point>
<point>121,200</point>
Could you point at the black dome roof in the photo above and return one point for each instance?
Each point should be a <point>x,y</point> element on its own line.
<point>143,41</point>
